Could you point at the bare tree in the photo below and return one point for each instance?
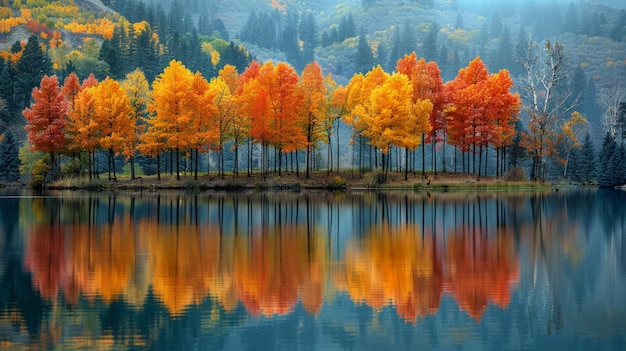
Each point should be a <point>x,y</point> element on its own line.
<point>545,103</point>
<point>609,101</point>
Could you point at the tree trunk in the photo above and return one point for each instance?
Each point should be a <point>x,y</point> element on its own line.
<point>195,176</point>
<point>406,163</point>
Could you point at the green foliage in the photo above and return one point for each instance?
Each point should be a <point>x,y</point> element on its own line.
<point>41,172</point>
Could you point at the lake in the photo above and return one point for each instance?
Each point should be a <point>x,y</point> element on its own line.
<point>354,270</point>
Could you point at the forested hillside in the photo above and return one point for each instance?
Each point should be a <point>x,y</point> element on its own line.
<point>97,39</point>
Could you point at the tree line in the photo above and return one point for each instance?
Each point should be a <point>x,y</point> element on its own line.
<point>270,105</point>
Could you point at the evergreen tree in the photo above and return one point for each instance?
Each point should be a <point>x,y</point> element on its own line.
<point>585,162</point>
<point>504,57</point>
<point>590,106</point>
<point>30,69</point>
<point>495,26</point>
<point>236,56</point>
<point>408,41</point>
<point>109,53</point>
<point>516,151</point>
<point>364,58</point>
<point>396,52</point>
<point>347,28</point>
<point>605,177</point>
<point>308,36</point>
<point>9,159</point>
<point>249,31</point>
<point>578,84</point>
<point>7,86</point>
<point>175,19</point>
<point>617,32</point>
<point>430,43</point>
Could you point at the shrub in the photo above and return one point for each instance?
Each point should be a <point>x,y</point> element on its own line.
<point>516,174</point>
<point>338,182</point>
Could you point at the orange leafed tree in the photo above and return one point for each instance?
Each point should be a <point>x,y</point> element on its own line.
<point>204,115</point>
<point>46,120</point>
<point>483,112</point>
<point>255,102</point>
<point>314,108</point>
<point>503,109</point>
<point>280,82</point>
<point>170,124</point>
<point>112,112</point>
<point>82,127</point>
<point>244,96</point>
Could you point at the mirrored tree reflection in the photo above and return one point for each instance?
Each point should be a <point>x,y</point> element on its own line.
<point>175,269</point>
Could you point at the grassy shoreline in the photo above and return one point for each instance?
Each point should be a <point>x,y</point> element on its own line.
<point>441,182</point>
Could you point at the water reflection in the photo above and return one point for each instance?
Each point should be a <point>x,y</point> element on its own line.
<point>146,269</point>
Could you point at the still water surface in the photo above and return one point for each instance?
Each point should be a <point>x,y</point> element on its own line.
<point>313,271</point>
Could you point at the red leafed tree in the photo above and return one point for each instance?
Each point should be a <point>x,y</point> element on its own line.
<point>71,88</point>
<point>483,111</point>
<point>503,108</point>
<point>46,120</point>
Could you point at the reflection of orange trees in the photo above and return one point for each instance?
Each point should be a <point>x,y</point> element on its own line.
<point>103,258</point>
<point>274,269</point>
<point>394,265</point>
<point>480,270</point>
<point>183,262</point>
<point>267,272</point>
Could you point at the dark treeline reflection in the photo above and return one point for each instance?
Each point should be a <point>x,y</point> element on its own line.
<point>171,269</point>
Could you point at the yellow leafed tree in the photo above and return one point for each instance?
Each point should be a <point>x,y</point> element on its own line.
<point>172,109</point>
<point>112,112</point>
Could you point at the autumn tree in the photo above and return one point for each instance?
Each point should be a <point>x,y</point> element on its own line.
<point>254,103</point>
<point>116,127</point>
<point>224,87</point>
<point>204,122</point>
<point>314,109</point>
<point>285,97</point>
<point>427,84</point>
<point>336,107</point>
<point>172,108</point>
<point>82,127</point>
<point>483,111</point>
<point>273,100</point>
<point>226,103</point>
<point>46,121</point>
<point>386,114</point>
<point>138,92</point>
<point>573,130</point>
